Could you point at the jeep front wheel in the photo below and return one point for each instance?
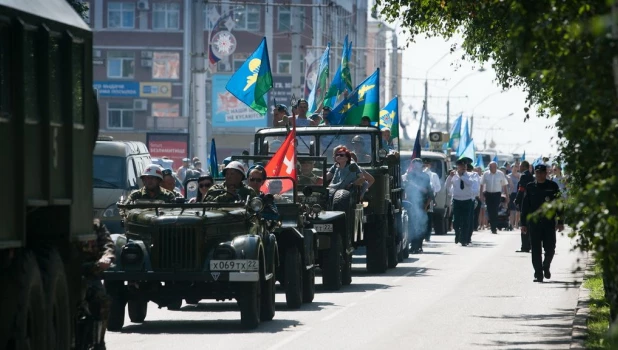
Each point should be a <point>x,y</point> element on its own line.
<point>293,278</point>
<point>249,299</point>
<point>377,257</point>
<point>116,292</point>
<point>138,309</point>
<point>331,268</point>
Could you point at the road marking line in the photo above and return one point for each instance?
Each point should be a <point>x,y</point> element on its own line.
<point>289,339</point>
<point>404,276</point>
<point>336,313</point>
<point>426,263</point>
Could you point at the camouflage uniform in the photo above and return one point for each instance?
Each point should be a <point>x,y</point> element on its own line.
<point>309,179</point>
<point>218,193</point>
<point>178,194</point>
<point>98,301</point>
<point>163,195</point>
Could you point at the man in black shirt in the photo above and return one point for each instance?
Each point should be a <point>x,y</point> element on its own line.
<point>524,180</point>
<point>542,231</point>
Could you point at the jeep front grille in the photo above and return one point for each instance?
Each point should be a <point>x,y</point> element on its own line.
<point>176,248</point>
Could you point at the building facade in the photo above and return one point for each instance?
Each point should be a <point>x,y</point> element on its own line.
<point>143,60</point>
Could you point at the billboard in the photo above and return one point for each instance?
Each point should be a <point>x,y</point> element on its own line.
<point>228,111</point>
<point>174,146</point>
<point>164,109</point>
<point>166,65</point>
<point>155,89</point>
<point>117,88</point>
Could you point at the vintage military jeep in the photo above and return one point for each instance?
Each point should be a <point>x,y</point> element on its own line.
<point>326,236</point>
<point>194,251</point>
<point>377,219</point>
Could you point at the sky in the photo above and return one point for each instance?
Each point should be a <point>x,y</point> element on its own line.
<point>471,92</point>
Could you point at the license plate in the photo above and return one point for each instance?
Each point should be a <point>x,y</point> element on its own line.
<point>323,227</point>
<point>234,265</point>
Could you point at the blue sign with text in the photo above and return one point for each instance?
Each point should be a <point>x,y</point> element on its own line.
<point>117,88</point>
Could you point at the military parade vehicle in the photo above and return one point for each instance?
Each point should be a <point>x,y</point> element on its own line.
<point>308,227</point>
<point>377,219</point>
<point>176,251</point>
<point>48,128</point>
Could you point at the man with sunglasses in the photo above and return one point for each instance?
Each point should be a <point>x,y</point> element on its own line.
<point>463,187</point>
<point>233,189</point>
<point>169,182</point>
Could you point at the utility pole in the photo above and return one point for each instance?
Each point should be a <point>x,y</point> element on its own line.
<point>448,115</point>
<point>297,21</point>
<point>268,27</point>
<point>199,81</point>
<point>426,112</point>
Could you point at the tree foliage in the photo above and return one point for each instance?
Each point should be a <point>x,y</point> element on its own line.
<point>80,7</point>
<point>561,53</point>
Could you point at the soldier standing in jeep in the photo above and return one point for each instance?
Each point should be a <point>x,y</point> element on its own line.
<point>233,189</point>
<point>152,190</point>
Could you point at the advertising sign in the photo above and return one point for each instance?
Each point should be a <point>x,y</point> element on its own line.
<point>117,88</point>
<point>155,89</point>
<point>166,65</point>
<point>173,146</point>
<point>228,111</point>
<point>282,90</point>
<point>161,109</point>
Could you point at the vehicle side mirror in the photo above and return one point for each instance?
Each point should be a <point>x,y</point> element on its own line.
<point>307,191</point>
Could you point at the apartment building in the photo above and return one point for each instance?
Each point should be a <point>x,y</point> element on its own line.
<point>143,55</point>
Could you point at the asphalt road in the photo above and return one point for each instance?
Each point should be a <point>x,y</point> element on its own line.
<point>451,297</point>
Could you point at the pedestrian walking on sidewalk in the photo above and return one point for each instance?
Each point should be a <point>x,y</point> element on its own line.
<point>493,185</point>
<point>542,231</point>
<point>461,184</point>
<point>525,178</point>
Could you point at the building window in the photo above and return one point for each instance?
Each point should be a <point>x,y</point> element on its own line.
<point>211,15</point>
<point>120,64</point>
<point>121,15</point>
<point>166,16</point>
<point>247,17</point>
<point>284,63</point>
<point>120,115</point>
<point>284,19</point>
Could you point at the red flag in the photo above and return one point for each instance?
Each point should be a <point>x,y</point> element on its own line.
<point>283,163</point>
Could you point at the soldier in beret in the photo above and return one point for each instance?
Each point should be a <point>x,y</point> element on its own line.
<point>542,232</point>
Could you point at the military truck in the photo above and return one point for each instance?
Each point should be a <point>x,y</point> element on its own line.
<point>323,235</point>
<point>377,220</point>
<point>48,128</point>
<point>175,251</point>
<point>441,165</point>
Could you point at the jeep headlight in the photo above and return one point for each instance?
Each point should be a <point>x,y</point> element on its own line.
<point>131,254</point>
<point>382,153</point>
<point>316,208</point>
<point>256,204</point>
<point>111,211</point>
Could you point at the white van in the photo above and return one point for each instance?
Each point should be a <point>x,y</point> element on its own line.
<point>117,167</point>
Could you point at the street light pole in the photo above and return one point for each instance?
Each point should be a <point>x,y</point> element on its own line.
<point>448,100</point>
<point>426,84</point>
<point>478,104</point>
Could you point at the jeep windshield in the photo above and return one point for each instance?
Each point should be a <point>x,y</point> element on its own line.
<point>302,145</point>
<point>360,144</point>
<point>109,172</point>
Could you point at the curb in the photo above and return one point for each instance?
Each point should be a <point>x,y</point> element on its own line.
<point>582,311</point>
